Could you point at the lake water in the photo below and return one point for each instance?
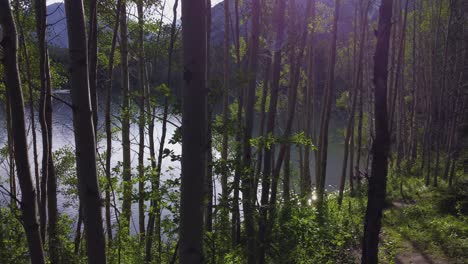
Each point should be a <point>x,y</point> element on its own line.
<point>63,136</point>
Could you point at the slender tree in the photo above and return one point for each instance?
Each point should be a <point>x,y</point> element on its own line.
<point>92,59</point>
<point>247,182</point>
<point>354,93</point>
<point>49,180</point>
<point>380,146</point>
<point>235,220</point>
<point>226,80</point>
<point>271,120</point>
<point>194,141</point>
<point>43,61</point>
<point>125,116</point>
<point>321,170</point>
<point>155,215</point>
<point>141,120</point>
<point>108,124</point>
<point>85,140</point>
<point>9,43</point>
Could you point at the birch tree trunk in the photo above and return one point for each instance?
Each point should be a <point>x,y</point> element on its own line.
<point>125,115</point>
<point>9,43</point>
<point>85,141</point>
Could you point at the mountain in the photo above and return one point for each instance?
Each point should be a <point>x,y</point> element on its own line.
<point>57,24</point>
<point>57,34</point>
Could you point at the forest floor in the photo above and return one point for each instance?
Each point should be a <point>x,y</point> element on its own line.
<point>424,227</point>
<point>408,250</point>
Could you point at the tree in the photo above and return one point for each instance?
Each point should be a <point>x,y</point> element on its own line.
<point>380,146</point>
<point>267,167</point>
<point>235,219</point>
<point>108,125</point>
<point>92,59</point>
<point>125,116</point>
<point>309,92</point>
<point>354,92</point>
<point>321,170</point>
<point>194,122</point>
<point>141,119</point>
<point>155,211</point>
<point>85,141</point>
<point>9,44</point>
<point>248,194</point>
<point>226,80</point>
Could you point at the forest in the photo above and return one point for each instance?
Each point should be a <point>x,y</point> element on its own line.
<point>233,131</point>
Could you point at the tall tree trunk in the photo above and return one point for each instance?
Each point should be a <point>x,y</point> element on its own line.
<point>11,155</point>
<point>235,221</point>
<point>414,94</point>
<point>93,61</point>
<point>194,141</point>
<point>296,61</point>
<point>141,120</point>
<point>40,30</point>
<point>155,213</point>
<point>226,80</point>
<point>9,44</point>
<point>326,111</point>
<point>287,176</point>
<point>31,107</point>
<point>85,143</point>
<point>49,193</point>
<point>357,169</point>
<point>108,125</point>
<point>154,166</point>
<point>247,182</point>
<point>267,166</point>
<point>380,147</point>
<point>125,116</point>
<point>349,138</point>
<point>310,103</point>
<point>209,134</point>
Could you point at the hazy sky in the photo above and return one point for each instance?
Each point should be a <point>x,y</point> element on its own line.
<point>167,9</point>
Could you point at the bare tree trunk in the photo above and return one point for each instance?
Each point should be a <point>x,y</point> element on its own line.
<point>235,221</point>
<point>154,166</point>
<point>110,71</point>
<point>49,183</point>
<point>326,111</point>
<point>31,108</point>
<point>226,79</point>
<point>155,213</point>
<point>380,148</point>
<point>141,121</point>
<point>261,133</point>
<point>85,143</point>
<point>125,115</point>
<point>11,155</point>
<point>40,28</point>
<point>309,103</point>
<point>209,134</point>
<point>194,141</point>
<point>92,58</point>
<point>414,94</point>
<point>77,240</point>
<point>349,138</point>
<point>9,44</point>
<point>287,176</point>
<point>267,167</point>
<point>247,183</point>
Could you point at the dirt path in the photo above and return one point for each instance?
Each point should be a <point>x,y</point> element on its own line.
<point>408,252</point>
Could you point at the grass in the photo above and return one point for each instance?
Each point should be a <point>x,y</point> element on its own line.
<point>429,220</point>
